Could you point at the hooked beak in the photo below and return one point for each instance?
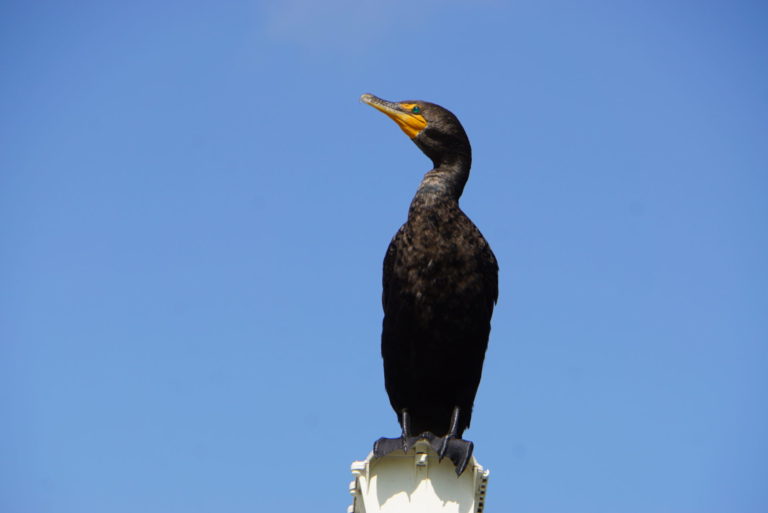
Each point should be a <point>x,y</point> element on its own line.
<point>401,113</point>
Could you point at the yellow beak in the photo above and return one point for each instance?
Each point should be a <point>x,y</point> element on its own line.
<point>410,123</point>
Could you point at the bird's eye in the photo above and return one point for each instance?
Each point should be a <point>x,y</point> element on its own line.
<point>416,110</point>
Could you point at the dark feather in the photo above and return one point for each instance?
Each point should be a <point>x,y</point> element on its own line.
<point>440,285</point>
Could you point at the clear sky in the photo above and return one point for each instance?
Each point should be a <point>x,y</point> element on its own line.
<point>195,207</point>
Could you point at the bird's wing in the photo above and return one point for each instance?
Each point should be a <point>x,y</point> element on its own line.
<point>492,273</point>
<point>489,267</point>
<point>389,264</point>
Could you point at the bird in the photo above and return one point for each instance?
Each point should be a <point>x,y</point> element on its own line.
<point>440,286</point>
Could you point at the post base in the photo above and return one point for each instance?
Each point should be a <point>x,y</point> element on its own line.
<point>416,481</point>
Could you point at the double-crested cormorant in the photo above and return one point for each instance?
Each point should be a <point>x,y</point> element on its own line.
<point>440,286</point>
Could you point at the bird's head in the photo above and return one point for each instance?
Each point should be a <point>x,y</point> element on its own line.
<point>435,130</point>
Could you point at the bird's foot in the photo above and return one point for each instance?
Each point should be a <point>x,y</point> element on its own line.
<point>384,446</point>
<point>458,450</point>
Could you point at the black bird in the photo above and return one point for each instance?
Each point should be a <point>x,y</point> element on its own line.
<point>440,286</point>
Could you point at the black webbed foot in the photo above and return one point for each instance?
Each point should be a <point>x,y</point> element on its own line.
<point>384,446</point>
<point>458,450</point>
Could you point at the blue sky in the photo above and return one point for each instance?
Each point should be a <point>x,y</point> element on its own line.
<point>195,209</point>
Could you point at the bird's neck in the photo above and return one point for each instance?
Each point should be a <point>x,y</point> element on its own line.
<point>445,182</point>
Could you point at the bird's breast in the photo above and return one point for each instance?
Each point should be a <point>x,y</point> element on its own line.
<point>437,260</point>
